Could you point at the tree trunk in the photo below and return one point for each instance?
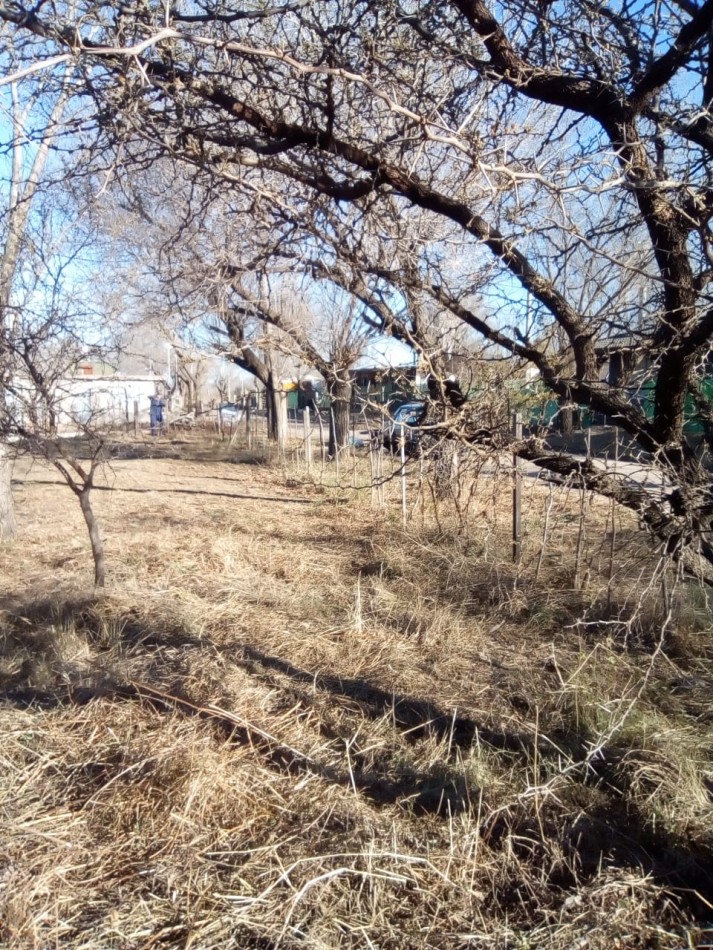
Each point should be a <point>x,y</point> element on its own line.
<point>275,417</point>
<point>8,528</point>
<point>341,396</point>
<point>271,410</point>
<point>567,420</point>
<point>94,537</point>
<point>680,522</point>
<point>282,422</point>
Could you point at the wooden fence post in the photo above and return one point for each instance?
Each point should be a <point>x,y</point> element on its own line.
<point>136,418</point>
<point>337,447</point>
<point>283,423</point>
<point>380,472</point>
<point>322,448</point>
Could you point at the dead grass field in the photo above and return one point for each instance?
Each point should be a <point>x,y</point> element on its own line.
<point>290,722</point>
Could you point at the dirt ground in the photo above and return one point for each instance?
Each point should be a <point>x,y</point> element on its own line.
<point>291,721</point>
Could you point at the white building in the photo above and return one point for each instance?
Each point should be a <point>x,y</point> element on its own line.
<point>96,395</point>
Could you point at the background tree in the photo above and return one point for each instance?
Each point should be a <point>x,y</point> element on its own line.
<point>318,327</point>
<point>268,311</point>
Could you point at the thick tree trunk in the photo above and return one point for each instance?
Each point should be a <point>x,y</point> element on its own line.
<point>8,528</point>
<point>341,396</point>
<point>681,521</point>
<point>275,421</point>
<point>567,420</point>
<point>94,537</point>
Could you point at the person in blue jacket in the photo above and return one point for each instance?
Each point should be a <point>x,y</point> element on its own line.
<point>156,413</point>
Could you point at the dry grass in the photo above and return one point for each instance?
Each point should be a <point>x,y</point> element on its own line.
<point>289,722</point>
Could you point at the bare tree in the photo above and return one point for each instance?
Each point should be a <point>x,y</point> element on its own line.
<point>270,313</point>
<point>317,326</point>
<point>561,135</point>
<point>31,133</point>
<point>46,317</point>
<point>44,411</point>
<point>242,337</point>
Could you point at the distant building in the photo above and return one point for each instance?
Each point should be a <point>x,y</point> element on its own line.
<point>388,384</point>
<point>623,362</point>
<point>95,394</point>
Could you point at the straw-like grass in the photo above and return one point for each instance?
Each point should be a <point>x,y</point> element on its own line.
<point>291,722</point>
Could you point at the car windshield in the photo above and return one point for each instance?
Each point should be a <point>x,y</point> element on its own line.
<point>409,415</point>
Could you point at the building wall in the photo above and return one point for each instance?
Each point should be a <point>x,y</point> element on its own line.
<point>105,400</point>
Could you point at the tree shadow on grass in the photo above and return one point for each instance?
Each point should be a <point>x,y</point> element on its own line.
<point>415,718</point>
<point>281,499</point>
<point>30,637</point>
<point>605,828</point>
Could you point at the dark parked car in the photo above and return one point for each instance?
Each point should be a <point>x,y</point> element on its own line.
<point>405,419</point>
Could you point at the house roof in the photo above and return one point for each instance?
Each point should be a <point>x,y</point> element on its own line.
<point>618,343</point>
<point>114,378</point>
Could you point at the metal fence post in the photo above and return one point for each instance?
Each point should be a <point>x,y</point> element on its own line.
<point>516,492</point>
<point>307,424</point>
<point>402,446</point>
